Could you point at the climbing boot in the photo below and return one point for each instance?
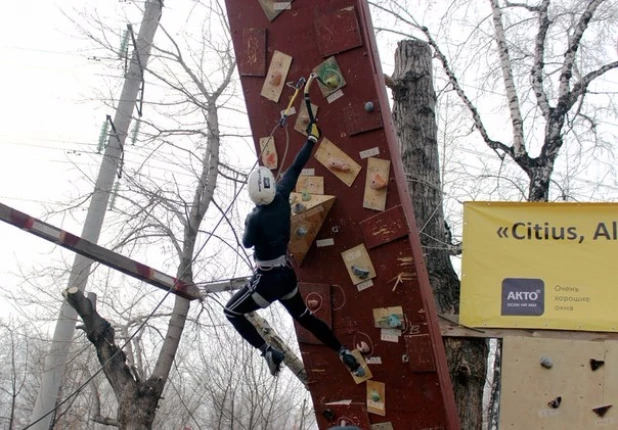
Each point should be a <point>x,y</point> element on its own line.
<point>351,363</point>
<point>273,358</point>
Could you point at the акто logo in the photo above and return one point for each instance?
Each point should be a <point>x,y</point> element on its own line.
<point>523,296</point>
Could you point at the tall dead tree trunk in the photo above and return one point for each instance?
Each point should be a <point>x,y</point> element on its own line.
<point>414,118</point>
<point>137,399</point>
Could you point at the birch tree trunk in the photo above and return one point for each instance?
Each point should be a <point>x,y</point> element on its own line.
<point>414,118</point>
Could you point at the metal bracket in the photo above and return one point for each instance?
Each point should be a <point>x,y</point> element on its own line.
<point>120,145</point>
<point>140,94</point>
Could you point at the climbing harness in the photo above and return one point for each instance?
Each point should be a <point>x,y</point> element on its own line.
<point>265,265</point>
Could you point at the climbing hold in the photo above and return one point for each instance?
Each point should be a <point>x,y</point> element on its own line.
<point>305,196</point>
<point>602,410</point>
<point>271,159</point>
<point>299,208</point>
<point>405,358</point>
<point>363,347</point>
<point>595,364</point>
<point>546,362</point>
<point>375,396</point>
<point>305,119</point>
<point>339,165</point>
<point>555,404</point>
<point>369,107</point>
<point>360,272</point>
<point>313,304</point>
<point>394,321</point>
<point>275,78</point>
<point>301,231</point>
<point>328,414</point>
<point>332,78</point>
<point>377,182</point>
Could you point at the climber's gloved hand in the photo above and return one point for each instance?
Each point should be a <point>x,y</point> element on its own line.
<point>313,132</point>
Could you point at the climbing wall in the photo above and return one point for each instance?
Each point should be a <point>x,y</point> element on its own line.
<point>558,384</point>
<point>354,239</point>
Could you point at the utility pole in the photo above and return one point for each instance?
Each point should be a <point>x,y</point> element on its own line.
<point>65,327</point>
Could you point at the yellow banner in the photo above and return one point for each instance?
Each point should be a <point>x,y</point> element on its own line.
<point>540,265</point>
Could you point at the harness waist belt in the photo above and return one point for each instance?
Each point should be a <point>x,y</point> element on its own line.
<point>279,261</point>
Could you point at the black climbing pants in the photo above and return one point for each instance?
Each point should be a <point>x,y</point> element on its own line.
<point>266,286</point>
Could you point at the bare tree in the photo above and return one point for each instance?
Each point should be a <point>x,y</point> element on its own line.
<point>21,355</point>
<point>547,59</point>
<point>177,204</point>
<point>12,383</point>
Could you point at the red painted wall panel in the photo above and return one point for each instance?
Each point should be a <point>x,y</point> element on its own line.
<point>412,365</point>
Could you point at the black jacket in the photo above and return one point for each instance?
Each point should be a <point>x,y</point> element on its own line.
<point>267,227</point>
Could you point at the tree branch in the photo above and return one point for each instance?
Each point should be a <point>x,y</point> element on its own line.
<point>537,67</point>
<point>569,57</point>
<point>526,6</point>
<point>519,153</point>
<point>96,407</point>
<point>101,334</point>
<point>580,87</point>
<point>478,122</point>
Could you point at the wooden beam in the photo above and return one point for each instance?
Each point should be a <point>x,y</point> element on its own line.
<point>450,327</point>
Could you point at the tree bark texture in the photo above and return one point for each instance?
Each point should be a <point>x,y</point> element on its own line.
<point>137,400</point>
<point>415,123</point>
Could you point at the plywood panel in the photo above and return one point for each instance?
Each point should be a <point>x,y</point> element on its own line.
<point>330,77</point>
<point>528,387</point>
<point>272,8</point>
<point>269,152</point>
<point>310,184</point>
<point>361,360</point>
<point>376,398</point>
<point>376,183</point>
<point>252,55</point>
<point>307,219</point>
<point>337,161</point>
<point>420,353</point>
<point>358,264</point>
<point>384,227</point>
<point>362,116</point>
<point>277,73</point>
<point>337,31</point>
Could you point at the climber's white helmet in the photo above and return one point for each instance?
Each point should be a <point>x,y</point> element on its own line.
<point>261,186</point>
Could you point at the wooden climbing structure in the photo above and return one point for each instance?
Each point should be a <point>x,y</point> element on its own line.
<point>354,238</point>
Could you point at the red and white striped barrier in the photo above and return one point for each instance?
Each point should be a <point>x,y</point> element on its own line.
<point>98,253</point>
